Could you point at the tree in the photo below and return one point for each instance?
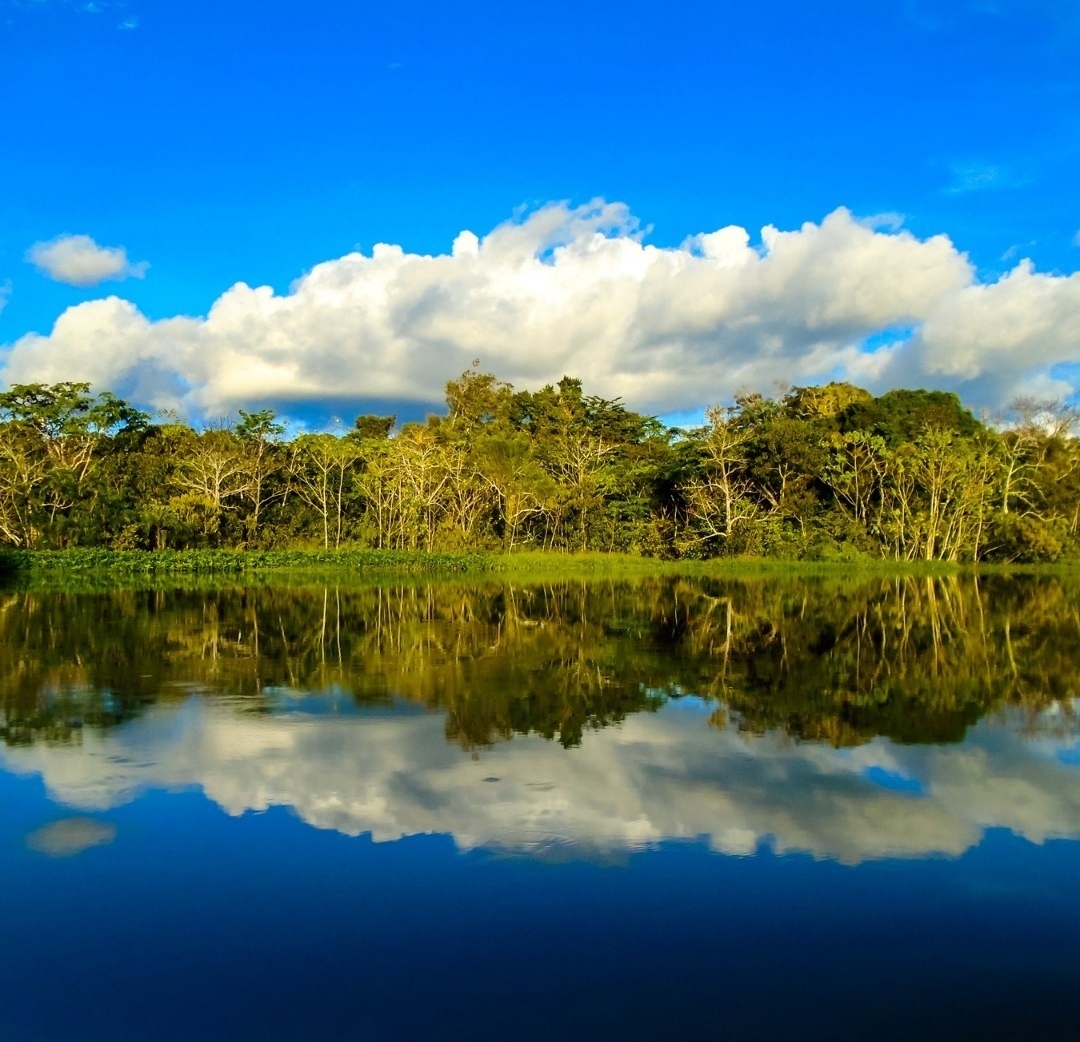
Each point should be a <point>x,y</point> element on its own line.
<point>23,470</point>
<point>213,473</point>
<point>1040,467</point>
<point>785,459</point>
<point>814,472</point>
<point>476,398</point>
<point>55,437</point>
<point>263,462</point>
<point>900,416</point>
<point>825,403</point>
<point>373,428</point>
<point>854,471</point>
<point>719,498</point>
<point>321,468</point>
<point>521,486</point>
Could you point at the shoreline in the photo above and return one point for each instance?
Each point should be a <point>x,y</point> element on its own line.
<point>59,568</point>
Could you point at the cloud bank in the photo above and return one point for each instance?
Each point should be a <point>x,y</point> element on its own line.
<point>577,290</point>
<point>79,261</point>
<point>656,777</point>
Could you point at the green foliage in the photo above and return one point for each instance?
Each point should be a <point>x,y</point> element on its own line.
<point>820,473</point>
<point>373,428</point>
<point>900,416</point>
<point>70,563</point>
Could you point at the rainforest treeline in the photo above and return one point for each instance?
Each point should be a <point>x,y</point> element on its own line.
<point>814,473</point>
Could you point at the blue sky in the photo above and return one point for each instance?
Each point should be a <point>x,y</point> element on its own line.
<point>226,143</point>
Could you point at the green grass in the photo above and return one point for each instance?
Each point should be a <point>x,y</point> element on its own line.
<point>103,569</point>
<point>233,562</point>
<point>539,563</point>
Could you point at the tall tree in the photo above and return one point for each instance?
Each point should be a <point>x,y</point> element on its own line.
<point>322,468</point>
<point>264,464</point>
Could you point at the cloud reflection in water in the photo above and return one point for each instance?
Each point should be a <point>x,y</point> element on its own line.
<point>656,777</point>
<point>70,836</point>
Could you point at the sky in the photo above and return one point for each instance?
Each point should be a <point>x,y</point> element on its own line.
<point>335,208</point>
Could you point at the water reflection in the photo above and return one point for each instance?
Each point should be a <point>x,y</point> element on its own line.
<point>849,720</point>
<point>70,836</point>
<point>912,659</point>
<point>662,776</point>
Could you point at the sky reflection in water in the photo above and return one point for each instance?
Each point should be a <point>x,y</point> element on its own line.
<point>657,776</point>
<point>211,859</point>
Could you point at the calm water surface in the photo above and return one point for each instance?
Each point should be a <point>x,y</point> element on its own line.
<point>661,809</point>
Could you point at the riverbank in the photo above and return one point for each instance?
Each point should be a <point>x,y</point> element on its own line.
<point>58,568</point>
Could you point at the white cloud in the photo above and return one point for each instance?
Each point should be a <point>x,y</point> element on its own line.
<point>655,777</point>
<point>999,339</point>
<point>79,261</point>
<point>5,293</point>
<point>887,220</point>
<point>578,291</point>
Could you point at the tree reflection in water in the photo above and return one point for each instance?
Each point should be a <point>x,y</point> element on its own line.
<point>840,662</point>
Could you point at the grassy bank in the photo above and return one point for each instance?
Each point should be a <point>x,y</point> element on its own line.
<point>61,567</point>
<point>233,562</point>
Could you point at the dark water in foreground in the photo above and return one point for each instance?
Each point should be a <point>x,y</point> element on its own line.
<point>662,809</point>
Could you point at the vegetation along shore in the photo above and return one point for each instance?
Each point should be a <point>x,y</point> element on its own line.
<point>828,473</point>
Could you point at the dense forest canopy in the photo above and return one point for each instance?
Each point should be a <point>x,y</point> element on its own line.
<point>814,473</point>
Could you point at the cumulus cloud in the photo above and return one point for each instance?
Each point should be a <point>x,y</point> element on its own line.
<point>578,290</point>
<point>656,777</point>
<point>79,261</point>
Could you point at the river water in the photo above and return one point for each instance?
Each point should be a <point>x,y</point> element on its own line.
<point>579,810</point>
